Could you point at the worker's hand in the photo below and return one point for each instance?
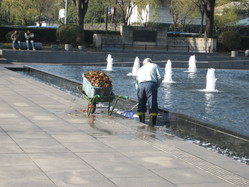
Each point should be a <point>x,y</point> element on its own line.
<point>136,86</point>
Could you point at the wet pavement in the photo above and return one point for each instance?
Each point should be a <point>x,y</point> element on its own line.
<point>47,139</point>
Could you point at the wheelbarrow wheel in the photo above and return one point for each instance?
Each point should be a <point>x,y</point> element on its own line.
<point>91,108</point>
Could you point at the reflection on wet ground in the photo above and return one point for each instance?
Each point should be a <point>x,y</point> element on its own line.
<point>162,131</point>
<point>146,132</point>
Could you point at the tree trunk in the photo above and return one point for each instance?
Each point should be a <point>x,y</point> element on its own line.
<point>125,22</point>
<point>202,21</point>
<point>209,12</point>
<point>81,6</point>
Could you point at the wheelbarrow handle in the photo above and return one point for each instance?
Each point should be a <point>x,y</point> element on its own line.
<point>124,97</point>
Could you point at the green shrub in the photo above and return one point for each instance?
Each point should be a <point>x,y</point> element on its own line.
<point>244,43</point>
<point>229,40</point>
<point>70,34</point>
<point>45,35</point>
<point>3,32</point>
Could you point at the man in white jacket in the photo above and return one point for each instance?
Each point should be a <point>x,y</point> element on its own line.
<point>148,79</point>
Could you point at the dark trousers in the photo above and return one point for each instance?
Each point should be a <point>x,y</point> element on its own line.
<point>147,92</point>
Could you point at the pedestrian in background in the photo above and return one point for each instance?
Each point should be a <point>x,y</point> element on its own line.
<point>15,37</point>
<point>29,35</point>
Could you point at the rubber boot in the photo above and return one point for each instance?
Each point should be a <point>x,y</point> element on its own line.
<point>141,116</point>
<point>153,118</point>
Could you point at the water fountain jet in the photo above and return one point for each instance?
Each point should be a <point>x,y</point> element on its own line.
<point>192,64</point>
<point>210,81</point>
<point>168,72</point>
<point>135,67</point>
<point>109,63</point>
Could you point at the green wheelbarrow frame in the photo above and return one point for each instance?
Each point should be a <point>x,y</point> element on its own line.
<point>112,101</point>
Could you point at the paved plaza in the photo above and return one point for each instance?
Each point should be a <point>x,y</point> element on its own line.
<point>47,139</point>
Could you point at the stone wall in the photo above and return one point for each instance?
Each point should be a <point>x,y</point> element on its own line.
<point>102,40</point>
<point>127,37</point>
<point>102,26</point>
<point>127,34</point>
<point>194,44</point>
<point>190,44</point>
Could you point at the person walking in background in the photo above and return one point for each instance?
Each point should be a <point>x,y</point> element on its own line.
<point>15,37</point>
<point>148,81</point>
<point>30,39</point>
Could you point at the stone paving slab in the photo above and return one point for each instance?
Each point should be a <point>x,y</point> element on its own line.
<point>46,139</point>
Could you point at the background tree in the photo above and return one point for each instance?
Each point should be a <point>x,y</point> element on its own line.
<point>23,12</point>
<point>200,7</point>
<point>243,9</point>
<point>149,8</point>
<point>183,12</point>
<point>175,12</point>
<point>48,9</point>
<point>72,14</point>
<point>3,16</point>
<point>209,6</point>
<point>18,12</point>
<point>227,20</point>
<point>81,9</point>
<point>245,3</point>
<point>96,11</point>
<point>126,7</point>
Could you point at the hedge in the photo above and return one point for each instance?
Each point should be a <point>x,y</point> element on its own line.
<point>48,35</point>
<point>45,35</point>
<point>244,43</point>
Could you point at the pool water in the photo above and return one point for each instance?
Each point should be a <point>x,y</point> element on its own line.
<point>227,108</point>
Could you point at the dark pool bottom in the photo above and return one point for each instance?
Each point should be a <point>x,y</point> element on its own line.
<point>181,125</point>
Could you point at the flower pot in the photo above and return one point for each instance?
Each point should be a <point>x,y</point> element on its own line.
<point>247,52</point>
<point>68,47</point>
<point>234,53</point>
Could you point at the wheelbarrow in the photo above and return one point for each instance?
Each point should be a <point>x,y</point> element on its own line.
<point>111,99</point>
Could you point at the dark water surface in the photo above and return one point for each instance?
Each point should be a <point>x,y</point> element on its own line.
<point>227,108</point>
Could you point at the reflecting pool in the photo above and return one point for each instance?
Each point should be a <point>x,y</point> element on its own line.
<point>227,108</point>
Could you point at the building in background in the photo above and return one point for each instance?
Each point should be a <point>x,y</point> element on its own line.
<point>149,14</point>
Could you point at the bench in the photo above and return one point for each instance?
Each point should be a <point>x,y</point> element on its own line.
<point>23,45</point>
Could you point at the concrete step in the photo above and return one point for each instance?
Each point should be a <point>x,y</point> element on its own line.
<point>180,60</point>
<point>3,60</point>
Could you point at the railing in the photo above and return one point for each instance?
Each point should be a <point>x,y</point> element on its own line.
<point>146,46</point>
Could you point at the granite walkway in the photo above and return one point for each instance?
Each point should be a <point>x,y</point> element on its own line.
<point>46,139</point>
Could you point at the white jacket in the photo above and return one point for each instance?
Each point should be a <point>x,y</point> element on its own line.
<point>149,72</point>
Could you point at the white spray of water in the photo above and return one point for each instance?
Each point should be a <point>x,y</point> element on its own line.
<point>136,66</point>
<point>210,81</point>
<point>192,64</point>
<point>109,62</point>
<point>168,72</point>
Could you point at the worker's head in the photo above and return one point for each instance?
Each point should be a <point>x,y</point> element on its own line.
<point>147,60</point>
